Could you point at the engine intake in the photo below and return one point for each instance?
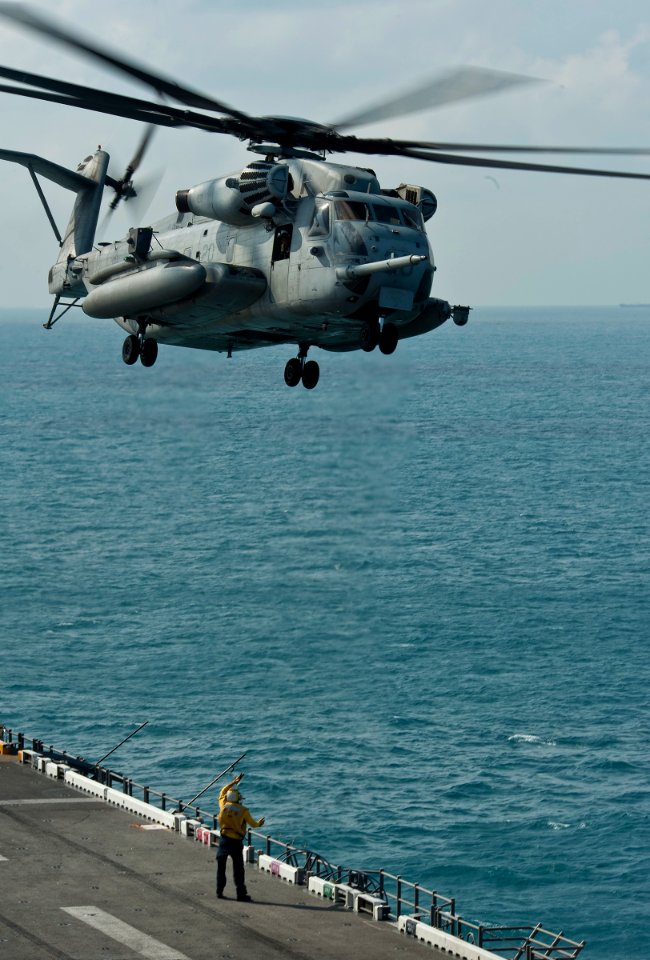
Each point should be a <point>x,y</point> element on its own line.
<point>232,198</point>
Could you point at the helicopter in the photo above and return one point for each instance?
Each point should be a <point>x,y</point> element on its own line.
<point>291,248</point>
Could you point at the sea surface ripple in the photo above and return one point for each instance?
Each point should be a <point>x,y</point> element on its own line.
<point>417,596</point>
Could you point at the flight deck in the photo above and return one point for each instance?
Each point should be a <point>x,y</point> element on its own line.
<point>90,871</point>
<point>81,879</point>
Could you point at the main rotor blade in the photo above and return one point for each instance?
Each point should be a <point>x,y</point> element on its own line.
<point>165,120</point>
<point>517,165</point>
<point>89,98</point>
<point>464,83</point>
<point>36,21</point>
<point>314,137</point>
<point>510,148</point>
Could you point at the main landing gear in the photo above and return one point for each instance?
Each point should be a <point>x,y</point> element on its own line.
<point>146,348</point>
<point>299,368</point>
<point>374,334</point>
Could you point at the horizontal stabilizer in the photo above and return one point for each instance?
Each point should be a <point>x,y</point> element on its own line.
<point>52,171</point>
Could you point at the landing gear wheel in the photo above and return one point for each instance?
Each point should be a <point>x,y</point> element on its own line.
<point>388,338</point>
<point>293,372</point>
<point>310,374</point>
<point>369,336</point>
<point>131,349</point>
<point>148,352</point>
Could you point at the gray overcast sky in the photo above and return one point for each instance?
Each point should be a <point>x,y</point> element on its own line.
<point>503,237</point>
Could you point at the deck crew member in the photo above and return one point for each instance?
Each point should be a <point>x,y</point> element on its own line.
<point>233,817</point>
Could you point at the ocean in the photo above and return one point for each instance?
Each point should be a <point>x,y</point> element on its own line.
<point>417,595</point>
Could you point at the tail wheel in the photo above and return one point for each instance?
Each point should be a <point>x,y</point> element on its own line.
<point>293,372</point>
<point>388,338</point>
<point>310,374</point>
<point>148,352</point>
<point>131,349</point>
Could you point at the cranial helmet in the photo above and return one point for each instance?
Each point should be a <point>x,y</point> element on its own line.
<point>232,796</point>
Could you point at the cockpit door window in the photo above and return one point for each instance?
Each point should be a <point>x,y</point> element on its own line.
<point>351,210</point>
<point>385,213</point>
<point>320,224</point>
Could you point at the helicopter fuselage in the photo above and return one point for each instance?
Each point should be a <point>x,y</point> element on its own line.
<point>282,271</point>
<point>292,249</point>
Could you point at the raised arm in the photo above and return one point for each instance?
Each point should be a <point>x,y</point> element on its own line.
<point>224,790</point>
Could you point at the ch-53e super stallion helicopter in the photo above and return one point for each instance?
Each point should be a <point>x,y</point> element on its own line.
<point>292,248</point>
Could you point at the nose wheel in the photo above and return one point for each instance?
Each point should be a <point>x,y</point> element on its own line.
<point>377,334</point>
<point>388,338</point>
<point>299,368</point>
<point>144,348</point>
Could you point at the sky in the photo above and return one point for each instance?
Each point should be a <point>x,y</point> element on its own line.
<point>499,237</point>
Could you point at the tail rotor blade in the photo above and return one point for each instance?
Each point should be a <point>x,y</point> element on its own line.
<point>139,154</point>
<point>103,225</point>
<point>144,195</point>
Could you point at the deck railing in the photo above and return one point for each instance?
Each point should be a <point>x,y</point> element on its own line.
<point>404,899</point>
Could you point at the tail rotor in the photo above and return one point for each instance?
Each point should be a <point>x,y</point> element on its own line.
<point>124,187</point>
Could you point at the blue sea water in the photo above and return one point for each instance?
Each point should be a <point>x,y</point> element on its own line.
<point>417,596</point>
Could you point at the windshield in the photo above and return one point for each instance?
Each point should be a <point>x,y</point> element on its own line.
<point>378,212</point>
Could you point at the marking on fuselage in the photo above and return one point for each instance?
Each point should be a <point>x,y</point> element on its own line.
<point>124,933</point>
<point>5,859</point>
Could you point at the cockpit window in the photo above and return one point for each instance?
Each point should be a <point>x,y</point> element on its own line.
<point>377,212</point>
<point>385,213</point>
<point>351,210</point>
<point>412,218</point>
<point>320,224</point>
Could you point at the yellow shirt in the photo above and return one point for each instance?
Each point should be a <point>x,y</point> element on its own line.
<point>233,816</point>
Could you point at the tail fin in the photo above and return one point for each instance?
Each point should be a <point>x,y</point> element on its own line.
<point>88,183</point>
<point>80,231</point>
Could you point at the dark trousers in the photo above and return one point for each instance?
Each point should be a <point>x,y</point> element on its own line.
<point>228,847</point>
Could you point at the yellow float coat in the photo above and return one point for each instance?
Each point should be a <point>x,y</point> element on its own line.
<point>233,817</point>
